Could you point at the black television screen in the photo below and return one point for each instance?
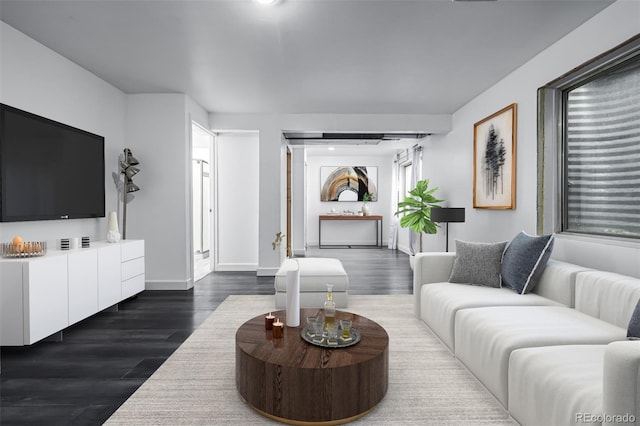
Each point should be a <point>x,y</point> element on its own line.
<point>48,170</point>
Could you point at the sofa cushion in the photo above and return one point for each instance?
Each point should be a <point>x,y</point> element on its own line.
<point>524,260</point>
<point>485,337</point>
<point>558,282</point>
<point>477,263</point>
<point>441,301</point>
<point>608,296</point>
<point>573,372</point>
<point>620,393</point>
<point>315,274</point>
<point>430,268</point>
<point>633,329</point>
<point>310,299</point>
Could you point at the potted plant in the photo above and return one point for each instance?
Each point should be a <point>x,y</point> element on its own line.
<point>366,197</point>
<point>416,209</point>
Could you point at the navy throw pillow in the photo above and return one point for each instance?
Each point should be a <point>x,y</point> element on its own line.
<point>633,330</point>
<point>524,260</point>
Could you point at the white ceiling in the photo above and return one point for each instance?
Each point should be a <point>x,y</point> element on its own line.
<point>302,56</point>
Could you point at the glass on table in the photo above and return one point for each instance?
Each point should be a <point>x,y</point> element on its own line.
<point>332,333</point>
<point>345,325</point>
<point>311,326</point>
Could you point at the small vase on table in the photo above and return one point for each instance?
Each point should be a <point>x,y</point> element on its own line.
<point>293,297</point>
<point>113,233</point>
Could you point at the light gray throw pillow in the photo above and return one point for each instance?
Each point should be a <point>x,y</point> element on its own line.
<point>478,263</point>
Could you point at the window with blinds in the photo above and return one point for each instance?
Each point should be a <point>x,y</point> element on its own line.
<point>602,153</point>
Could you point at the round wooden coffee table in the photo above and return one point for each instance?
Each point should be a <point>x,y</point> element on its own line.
<point>295,382</point>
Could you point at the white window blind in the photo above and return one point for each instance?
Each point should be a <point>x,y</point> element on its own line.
<point>602,154</point>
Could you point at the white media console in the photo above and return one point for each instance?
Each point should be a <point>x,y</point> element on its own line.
<point>41,296</point>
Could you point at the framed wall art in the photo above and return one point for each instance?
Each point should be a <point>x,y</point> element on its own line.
<point>494,160</point>
<point>348,183</point>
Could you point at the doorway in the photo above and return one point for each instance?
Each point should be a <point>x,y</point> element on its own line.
<point>289,237</point>
<point>202,193</point>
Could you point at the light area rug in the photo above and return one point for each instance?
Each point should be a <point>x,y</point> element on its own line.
<point>427,385</point>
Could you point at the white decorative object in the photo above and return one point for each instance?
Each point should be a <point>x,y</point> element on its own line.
<point>365,209</point>
<point>293,297</point>
<point>113,233</point>
<point>74,243</point>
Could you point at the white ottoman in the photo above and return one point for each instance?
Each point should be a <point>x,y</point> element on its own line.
<point>315,274</point>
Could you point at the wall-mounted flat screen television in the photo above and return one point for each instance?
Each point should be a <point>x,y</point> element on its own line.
<point>48,170</point>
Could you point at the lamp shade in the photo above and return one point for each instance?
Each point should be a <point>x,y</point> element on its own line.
<point>132,187</point>
<point>129,158</point>
<point>131,171</point>
<point>447,214</point>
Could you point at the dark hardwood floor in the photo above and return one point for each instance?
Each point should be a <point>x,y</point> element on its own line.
<point>104,359</point>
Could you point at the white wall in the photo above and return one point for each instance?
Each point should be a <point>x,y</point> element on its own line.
<point>298,201</point>
<point>38,80</point>
<point>237,163</point>
<point>347,232</point>
<point>447,159</point>
<point>155,129</point>
<point>159,129</point>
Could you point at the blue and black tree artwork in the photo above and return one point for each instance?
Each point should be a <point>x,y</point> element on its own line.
<point>494,158</point>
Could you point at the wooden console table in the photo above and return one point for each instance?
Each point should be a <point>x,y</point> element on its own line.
<point>351,217</point>
<point>295,382</point>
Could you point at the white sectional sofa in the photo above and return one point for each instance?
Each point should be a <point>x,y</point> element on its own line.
<point>558,355</point>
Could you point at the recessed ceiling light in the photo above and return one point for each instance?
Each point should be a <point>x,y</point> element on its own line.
<point>267,2</point>
<point>331,148</point>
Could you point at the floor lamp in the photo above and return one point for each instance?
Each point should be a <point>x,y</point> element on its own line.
<point>447,215</point>
<point>128,169</point>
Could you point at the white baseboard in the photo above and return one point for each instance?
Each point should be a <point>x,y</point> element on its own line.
<point>168,285</point>
<point>405,249</point>
<point>236,267</point>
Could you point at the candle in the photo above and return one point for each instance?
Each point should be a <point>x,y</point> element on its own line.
<point>278,328</point>
<point>268,321</point>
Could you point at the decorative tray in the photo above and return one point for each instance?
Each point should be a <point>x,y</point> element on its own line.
<point>324,343</point>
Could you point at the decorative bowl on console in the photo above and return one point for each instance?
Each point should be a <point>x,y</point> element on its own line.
<point>24,249</point>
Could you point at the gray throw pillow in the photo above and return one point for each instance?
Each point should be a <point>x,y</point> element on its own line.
<point>477,263</point>
<point>524,260</point>
<point>633,330</point>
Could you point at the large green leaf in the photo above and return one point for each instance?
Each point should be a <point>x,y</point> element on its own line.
<point>416,208</point>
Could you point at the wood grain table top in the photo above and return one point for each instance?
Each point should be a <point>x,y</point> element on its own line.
<point>293,351</point>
